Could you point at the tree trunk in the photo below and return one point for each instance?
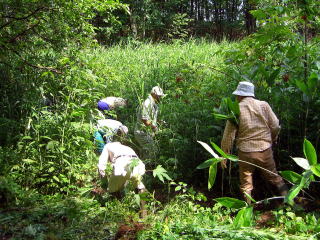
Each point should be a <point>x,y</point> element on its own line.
<point>250,20</point>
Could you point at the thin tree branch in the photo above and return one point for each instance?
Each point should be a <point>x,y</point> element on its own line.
<point>20,18</point>
<point>15,38</point>
<point>51,69</point>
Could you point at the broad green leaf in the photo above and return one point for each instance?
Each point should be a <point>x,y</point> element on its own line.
<point>231,202</point>
<point>137,199</point>
<point>302,162</point>
<point>302,86</point>
<point>209,149</point>
<point>205,164</point>
<point>161,173</point>
<point>232,157</point>
<point>243,218</point>
<point>309,152</point>
<point>239,219</point>
<point>316,169</point>
<point>248,214</point>
<point>219,150</point>
<point>212,175</point>
<point>306,178</point>
<point>145,196</point>
<point>209,162</point>
<point>29,161</point>
<point>134,163</point>
<point>233,107</point>
<point>294,191</point>
<point>291,176</point>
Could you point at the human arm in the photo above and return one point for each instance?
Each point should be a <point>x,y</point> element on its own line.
<point>229,135</point>
<point>103,160</point>
<point>273,122</point>
<point>149,123</point>
<point>148,115</point>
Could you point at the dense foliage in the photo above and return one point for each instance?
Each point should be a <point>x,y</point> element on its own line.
<point>53,71</point>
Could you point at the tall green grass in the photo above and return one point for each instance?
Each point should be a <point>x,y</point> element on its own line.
<point>192,75</point>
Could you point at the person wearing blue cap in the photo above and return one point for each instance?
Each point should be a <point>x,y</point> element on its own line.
<point>110,103</point>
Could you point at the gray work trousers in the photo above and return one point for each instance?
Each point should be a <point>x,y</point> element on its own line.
<point>147,146</point>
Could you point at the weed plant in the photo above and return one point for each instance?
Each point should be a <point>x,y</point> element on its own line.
<point>48,164</point>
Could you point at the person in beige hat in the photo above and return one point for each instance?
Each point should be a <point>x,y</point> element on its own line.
<point>258,129</point>
<point>146,125</point>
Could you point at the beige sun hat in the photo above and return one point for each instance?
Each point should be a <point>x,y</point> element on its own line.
<point>245,89</point>
<point>157,91</point>
<point>123,129</point>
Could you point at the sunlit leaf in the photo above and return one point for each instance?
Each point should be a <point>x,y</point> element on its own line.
<point>294,191</point>
<point>232,157</point>
<point>243,218</point>
<point>29,161</point>
<point>316,169</point>
<point>219,150</point>
<point>291,176</point>
<point>231,202</point>
<point>209,162</point>
<point>302,162</point>
<point>209,149</point>
<point>239,219</point>
<point>56,178</point>
<point>309,152</point>
<point>212,175</point>
<point>302,86</point>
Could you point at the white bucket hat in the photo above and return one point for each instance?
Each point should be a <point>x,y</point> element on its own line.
<point>123,129</point>
<point>157,91</point>
<point>245,89</point>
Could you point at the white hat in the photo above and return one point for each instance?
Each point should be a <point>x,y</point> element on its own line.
<point>157,91</point>
<point>123,129</point>
<point>245,89</point>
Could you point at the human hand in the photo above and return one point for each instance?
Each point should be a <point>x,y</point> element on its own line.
<point>223,163</point>
<point>102,173</point>
<point>154,128</point>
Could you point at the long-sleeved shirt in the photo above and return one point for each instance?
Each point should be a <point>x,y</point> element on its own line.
<point>148,111</point>
<point>111,152</point>
<point>258,127</point>
<point>108,127</point>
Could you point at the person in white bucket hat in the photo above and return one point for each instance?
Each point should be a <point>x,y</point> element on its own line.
<point>258,129</point>
<point>146,125</point>
<point>245,89</point>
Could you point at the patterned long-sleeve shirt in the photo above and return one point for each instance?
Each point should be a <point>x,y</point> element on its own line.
<point>258,127</point>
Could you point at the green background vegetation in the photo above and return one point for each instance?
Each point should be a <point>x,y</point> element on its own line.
<point>74,53</point>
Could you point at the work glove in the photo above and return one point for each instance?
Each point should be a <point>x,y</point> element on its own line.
<point>223,163</point>
<point>102,173</point>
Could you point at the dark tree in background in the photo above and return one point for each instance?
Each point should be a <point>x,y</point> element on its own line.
<point>170,19</point>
